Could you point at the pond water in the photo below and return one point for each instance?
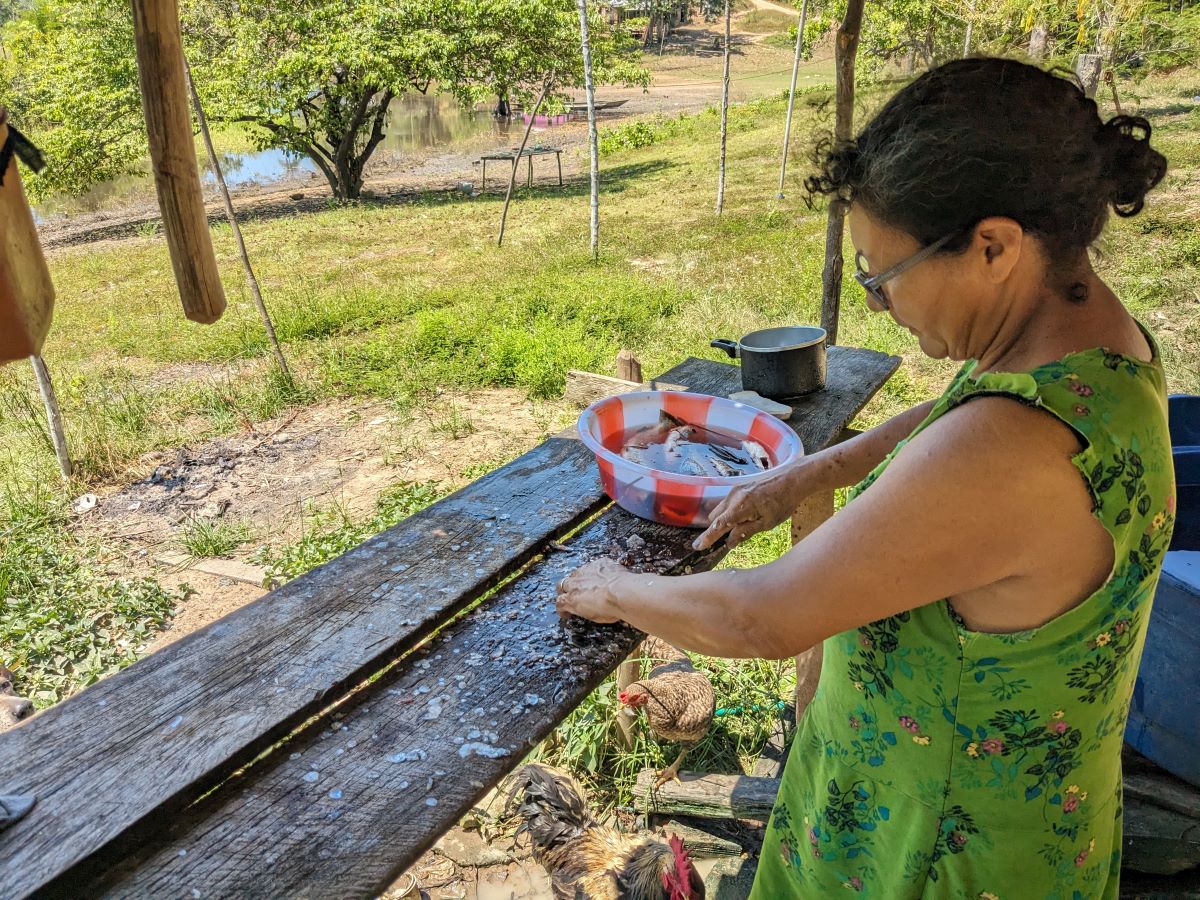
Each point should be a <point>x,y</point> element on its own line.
<point>415,122</point>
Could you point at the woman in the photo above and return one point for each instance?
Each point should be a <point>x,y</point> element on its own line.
<point>984,596</point>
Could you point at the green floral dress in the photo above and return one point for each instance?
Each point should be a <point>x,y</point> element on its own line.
<point>936,761</point>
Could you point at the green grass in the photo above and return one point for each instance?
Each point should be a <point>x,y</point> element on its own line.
<point>67,617</point>
<point>766,21</point>
<point>202,538</point>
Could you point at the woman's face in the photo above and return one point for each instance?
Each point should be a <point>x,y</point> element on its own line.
<point>951,302</point>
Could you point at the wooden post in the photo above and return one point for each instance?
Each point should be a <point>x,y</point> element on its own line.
<point>970,29</point>
<point>831,278</point>
<point>53,416</point>
<point>628,367</point>
<point>787,125</point>
<point>1037,42</point>
<point>512,176</point>
<point>234,227</point>
<point>805,520</point>
<point>1087,70</point>
<point>593,134</point>
<point>173,158</point>
<point>724,117</point>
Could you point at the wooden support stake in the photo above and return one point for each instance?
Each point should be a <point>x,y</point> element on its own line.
<point>1112,83</point>
<point>593,134</point>
<point>173,158</point>
<point>628,367</point>
<point>724,117</point>
<point>202,120</point>
<point>512,176</point>
<point>53,416</point>
<point>629,370</point>
<point>831,278</point>
<point>805,520</point>
<point>627,673</point>
<point>787,125</point>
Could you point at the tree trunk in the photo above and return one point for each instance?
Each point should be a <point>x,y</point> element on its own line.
<point>512,178</point>
<point>1037,41</point>
<point>724,116</point>
<point>787,125</point>
<point>831,279</point>
<point>251,280</point>
<point>593,134</point>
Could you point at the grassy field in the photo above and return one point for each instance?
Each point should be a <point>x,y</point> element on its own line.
<point>392,301</point>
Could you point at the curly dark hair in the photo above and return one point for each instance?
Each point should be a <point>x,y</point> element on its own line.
<point>993,137</point>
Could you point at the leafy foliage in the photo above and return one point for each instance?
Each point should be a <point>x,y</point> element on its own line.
<point>65,621</point>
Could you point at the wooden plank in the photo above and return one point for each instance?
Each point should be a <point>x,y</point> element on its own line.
<point>173,157</point>
<point>708,796</point>
<point>236,569</point>
<point>501,677</point>
<point>152,738</point>
<point>1158,841</point>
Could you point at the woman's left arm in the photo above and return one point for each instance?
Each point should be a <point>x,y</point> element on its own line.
<point>984,494</point>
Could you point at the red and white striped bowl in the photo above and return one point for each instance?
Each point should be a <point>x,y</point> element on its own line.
<point>682,500</point>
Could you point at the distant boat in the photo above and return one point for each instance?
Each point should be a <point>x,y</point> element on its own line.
<point>600,105</point>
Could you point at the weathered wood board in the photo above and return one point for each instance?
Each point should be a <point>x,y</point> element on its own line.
<point>188,716</point>
<point>155,736</point>
<point>444,726</point>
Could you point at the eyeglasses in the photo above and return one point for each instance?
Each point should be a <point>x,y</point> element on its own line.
<point>873,284</point>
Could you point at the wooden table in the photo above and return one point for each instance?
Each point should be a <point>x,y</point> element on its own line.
<point>283,751</point>
<point>515,156</point>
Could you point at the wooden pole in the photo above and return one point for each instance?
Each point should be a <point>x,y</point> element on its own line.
<point>724,117</point>
<point>1112,83</point>
<point>628,367</point>
<point>53,416</point>
<point>970,29</point>
<point>173,158</point>
<point>593,134</point>
<point>512,176</point>
<point>831,277</point>
<point>805,520</point>
<point>251,280</point>
<point>787,126</point>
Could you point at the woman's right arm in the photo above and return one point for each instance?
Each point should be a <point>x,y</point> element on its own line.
<point>748,511</point>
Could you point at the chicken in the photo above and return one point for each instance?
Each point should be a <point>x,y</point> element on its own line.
<point>13,707</point>
<point>678,701</point>
<point>589,861</point>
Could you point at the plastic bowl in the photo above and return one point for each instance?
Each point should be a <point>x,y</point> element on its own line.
<point>682,500</point>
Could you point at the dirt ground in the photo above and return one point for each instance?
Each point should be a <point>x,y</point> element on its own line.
<point>330,455</point>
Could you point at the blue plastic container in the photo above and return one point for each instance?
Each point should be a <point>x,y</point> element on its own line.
<point>1164,717</point>
<point>1184,410</point>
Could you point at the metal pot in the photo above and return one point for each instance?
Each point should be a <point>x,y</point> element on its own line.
<point>780,362</point>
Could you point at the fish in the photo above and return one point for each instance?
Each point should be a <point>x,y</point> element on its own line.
<point>673,445</point>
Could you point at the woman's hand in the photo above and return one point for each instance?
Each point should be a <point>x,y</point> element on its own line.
<point>764,504</point>
<point>589,591</point>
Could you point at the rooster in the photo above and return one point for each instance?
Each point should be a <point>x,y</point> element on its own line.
<point>590,861</point>
<point>678,701</point>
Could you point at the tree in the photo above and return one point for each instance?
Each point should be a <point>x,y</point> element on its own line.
<point>69,80</point>
<point>316,76</point>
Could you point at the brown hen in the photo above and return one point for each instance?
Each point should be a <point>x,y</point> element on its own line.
<point>590,861</point>
<point>678,701</point>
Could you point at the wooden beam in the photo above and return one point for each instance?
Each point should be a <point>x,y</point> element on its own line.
<point>845,50</point>
<point>173,158</point>
<point>707,796</point>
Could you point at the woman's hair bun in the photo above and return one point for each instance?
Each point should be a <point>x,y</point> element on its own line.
<point>1131,166</point>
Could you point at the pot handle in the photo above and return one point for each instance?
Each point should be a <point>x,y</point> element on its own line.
<point>730,347</point>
